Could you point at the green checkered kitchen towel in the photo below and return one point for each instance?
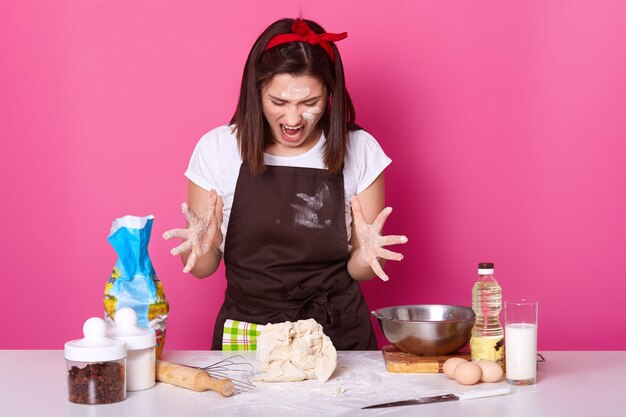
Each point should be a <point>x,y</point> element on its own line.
<point>240,335</point>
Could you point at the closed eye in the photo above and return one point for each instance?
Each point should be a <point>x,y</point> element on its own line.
<point>306,103</point>
<point>276,101</point>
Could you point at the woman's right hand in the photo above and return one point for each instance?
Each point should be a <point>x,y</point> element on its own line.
<point>199,234</point>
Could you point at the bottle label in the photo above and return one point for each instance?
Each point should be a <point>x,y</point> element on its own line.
<point>490,348</point>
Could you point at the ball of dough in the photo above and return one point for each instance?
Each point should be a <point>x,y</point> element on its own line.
<point>295,351</point>
<point>467,373</point>
<point>450,364</point>
<point>491,371</point>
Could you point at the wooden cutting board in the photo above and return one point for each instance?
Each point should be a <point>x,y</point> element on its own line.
<point>400,362</point>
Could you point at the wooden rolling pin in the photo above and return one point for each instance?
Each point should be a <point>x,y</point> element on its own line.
<point>192,378</point>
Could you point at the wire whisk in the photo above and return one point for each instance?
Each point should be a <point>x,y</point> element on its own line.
<point>235,368</point>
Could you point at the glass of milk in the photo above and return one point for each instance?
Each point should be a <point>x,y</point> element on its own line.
<point>520,338</point>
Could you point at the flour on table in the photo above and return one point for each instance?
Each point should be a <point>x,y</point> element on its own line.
<point>295,351</point>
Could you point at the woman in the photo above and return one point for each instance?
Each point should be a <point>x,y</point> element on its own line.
<point>276,193</point>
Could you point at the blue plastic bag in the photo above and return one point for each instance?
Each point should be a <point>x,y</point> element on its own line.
<point>133,282</point>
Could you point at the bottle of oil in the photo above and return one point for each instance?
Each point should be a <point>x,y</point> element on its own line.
<point>487,333</point>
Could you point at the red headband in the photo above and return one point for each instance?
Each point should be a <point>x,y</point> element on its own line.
<point>303,33</point>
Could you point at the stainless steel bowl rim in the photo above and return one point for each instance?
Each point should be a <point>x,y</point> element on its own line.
<point>378,316</point>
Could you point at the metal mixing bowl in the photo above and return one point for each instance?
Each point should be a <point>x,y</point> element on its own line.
<point>426,329</point>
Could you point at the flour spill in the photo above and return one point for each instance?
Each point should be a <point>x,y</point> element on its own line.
<point>308,214</point>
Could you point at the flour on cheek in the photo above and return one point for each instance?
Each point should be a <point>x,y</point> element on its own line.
<point>313,114</point>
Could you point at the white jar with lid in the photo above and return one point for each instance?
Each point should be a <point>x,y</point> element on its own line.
<point>140,345</point>
<point>96,366</point>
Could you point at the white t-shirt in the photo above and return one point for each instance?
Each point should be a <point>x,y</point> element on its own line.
<point>216,160</point>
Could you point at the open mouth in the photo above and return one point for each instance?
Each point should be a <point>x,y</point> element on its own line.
<point>293,132</point>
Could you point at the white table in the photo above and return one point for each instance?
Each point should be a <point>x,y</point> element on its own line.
<point>33,384</point>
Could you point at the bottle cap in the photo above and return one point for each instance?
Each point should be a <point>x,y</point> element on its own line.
<point>485,268</point>
<point>95,346</point>
<point>126,330</point>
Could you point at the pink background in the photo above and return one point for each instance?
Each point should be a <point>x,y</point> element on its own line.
<point>505,121</point>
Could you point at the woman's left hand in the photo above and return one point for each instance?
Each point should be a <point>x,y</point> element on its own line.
<point>371,242</point>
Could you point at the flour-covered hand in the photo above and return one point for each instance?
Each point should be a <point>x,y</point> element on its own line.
<point>198,235</point>
<point>371,242</point>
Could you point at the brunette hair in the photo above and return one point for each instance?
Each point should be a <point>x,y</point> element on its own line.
<point>294,58</point>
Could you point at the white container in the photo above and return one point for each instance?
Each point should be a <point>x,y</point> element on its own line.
<point>96,366</point>
<point>140,345</point>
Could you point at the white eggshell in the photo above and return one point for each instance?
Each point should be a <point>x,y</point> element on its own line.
<point>467,373</point>
<point>491,371</point>
<point>450,364</point>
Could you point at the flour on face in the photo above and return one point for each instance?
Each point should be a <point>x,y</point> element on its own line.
<point>312,114</point>
<point>295,92</point>
<point>308,214</point>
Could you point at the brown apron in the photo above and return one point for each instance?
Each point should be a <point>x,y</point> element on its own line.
<point>286,253</point>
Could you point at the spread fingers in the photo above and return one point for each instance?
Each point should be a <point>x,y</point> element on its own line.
<point>191,262</point>
<point>212,202</point>
<point>182,233</point>
<point>378,223</point>
<point>357,211</point>
<point>393,240</point>
<point>378,270</point>
<point>387,254</point>
<point>183,247</point>
<point>189,214</point>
